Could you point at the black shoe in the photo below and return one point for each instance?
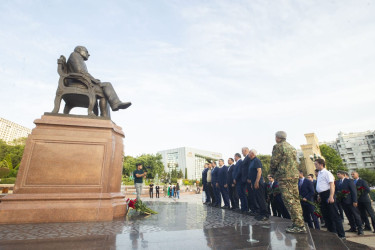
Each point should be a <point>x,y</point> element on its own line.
<point>225,207</point>
<point>252,213</point>
<point>352,230</point>
<point>360,232</point>
<point>367,229</point>
<point>217,205</point>
<point>342,238</point>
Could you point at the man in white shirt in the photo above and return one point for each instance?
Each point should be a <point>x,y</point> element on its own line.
<point>325,186</point>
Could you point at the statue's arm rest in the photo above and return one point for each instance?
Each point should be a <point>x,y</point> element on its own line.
<point>80,78</point>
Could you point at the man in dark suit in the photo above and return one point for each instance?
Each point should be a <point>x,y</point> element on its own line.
<point>241,179</point>
<point>349,203</point>
<point>271,198</point>
<point>306,192</point>
<point>339,206</point>
<point>223,185</point>
<point>231,186</point>
<point>215,184</point>
<point>204,183</point>
<point>364,201</point>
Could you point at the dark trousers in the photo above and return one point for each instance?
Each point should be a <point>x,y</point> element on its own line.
<point>252,203</point>
<point>217,195</point>
<point>233,196</point>
<point>280,206</point>
<point>309,216</point>
<point>151,194</point>
<point>211,192</point>
<point>366,207</point>
<point>341,211</point>
<point>353,215</point>
<point>208,196</point>
<point>275,211</point>
<point>157,194</point>
<point>259,198</point>
<point>241,190</point>
<point>331,215</point>
<point>225,195</point>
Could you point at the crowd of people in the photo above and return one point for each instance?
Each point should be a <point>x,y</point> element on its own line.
<point>240,186</point>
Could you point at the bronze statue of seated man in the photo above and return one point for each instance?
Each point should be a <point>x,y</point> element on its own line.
<point>76,64</point>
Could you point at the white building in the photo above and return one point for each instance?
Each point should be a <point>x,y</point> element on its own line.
<point>10,130</point>
<point>187,158</point>
<point>357,150</point>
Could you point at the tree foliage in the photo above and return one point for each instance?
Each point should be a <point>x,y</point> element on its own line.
<point>332,159</point>
<point>11,156</point>
<point>151,163</point>
<point>368,175</point>
<point>266,162</point>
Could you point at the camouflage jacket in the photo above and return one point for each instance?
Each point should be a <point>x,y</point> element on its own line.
<point>284,164</point>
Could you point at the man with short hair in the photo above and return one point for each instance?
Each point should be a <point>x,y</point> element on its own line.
<point>350,202</point>
<point>255,178</point>
<point>206,196</point>
<point>223,185</point>
<point>307,192</point>
<point>215,184</point>
<point>231,186</point>
<point>325,187</point>
<point>209,185</point>
<point>364,201</point>
<point>138,175</point>
<point>284,167</point>
<point>241,179</point>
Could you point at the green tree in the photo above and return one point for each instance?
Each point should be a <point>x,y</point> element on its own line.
<point>332,159</point>
<point>180,174</point>
<point>151,163</point>
<point>186,176</point>
<point>266,162</point>
<point>368,175</point>
<point>11,156</point>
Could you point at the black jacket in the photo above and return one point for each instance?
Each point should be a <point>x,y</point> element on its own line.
<point>365,194</point>
<point>348,184</point>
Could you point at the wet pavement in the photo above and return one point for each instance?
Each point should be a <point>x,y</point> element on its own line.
<point>178,225</point>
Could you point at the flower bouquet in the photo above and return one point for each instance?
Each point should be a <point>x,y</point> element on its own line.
<point>340,196</point>
<point>360,191</point>
<point>316,205</point>
<point>139,206</point>
<point>276,190</point>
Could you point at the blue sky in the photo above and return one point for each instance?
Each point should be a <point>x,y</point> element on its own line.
<point>215,75</point>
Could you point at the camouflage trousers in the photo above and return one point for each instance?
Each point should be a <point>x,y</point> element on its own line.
<point>290,196</point>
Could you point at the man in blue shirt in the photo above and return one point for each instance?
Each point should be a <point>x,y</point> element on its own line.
<point>138,175</point>
<point>255,178</point>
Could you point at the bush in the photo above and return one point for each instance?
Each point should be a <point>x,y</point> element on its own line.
<point>372,195</point>
<point>10,180</point>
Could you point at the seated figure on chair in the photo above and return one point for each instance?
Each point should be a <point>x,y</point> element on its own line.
<point>76,64</point>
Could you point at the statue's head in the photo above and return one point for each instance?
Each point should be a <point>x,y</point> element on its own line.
<point>82,51</point>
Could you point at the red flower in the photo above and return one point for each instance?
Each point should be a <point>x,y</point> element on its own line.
<point>318,215</point>
<point>345,191</point>
<point>131,203</point>
<point>361,188</point>
<point>276,186</point>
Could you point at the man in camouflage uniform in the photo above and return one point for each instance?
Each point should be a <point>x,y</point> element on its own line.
<point>284,168</point>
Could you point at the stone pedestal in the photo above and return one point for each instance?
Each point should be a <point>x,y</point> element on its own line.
<point>70,171</point>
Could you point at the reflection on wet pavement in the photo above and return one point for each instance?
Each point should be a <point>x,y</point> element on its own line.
<point>177,226</point>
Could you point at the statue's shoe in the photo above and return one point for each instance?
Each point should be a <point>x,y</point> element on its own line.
<point>121,105</point>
